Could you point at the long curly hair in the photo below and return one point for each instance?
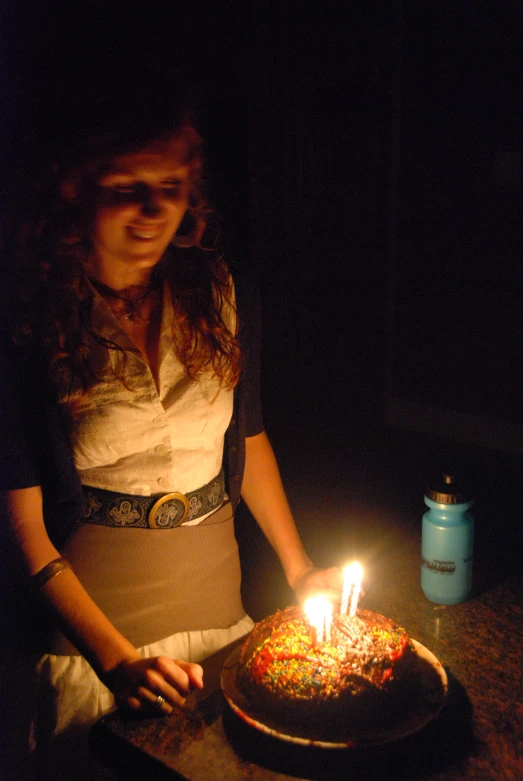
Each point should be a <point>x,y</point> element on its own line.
<point>51,305</point>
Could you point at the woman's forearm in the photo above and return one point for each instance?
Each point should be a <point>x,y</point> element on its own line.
<point>84,624</point>
<point>264,494</point>
<point>63,596</point>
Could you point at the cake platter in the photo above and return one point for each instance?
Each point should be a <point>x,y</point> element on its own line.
<point>427,704</point>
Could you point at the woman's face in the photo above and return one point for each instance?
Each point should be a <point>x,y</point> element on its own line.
<point>141,200</point>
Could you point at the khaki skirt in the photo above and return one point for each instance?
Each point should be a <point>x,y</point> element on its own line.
<point>153,583</point>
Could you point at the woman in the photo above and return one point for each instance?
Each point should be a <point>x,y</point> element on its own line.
<point>131,428</point>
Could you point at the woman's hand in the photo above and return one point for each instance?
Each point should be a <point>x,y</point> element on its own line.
<point>137,684</point>
<point>319,581</point>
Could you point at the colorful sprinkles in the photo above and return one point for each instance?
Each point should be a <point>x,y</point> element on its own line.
<point>362,656</point>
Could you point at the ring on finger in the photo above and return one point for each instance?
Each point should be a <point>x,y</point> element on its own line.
<point>159,701</point>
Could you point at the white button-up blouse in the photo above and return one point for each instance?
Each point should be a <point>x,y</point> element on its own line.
<point>138,439</point>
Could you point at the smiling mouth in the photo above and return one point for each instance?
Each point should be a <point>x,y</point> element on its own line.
<point>145,234</point>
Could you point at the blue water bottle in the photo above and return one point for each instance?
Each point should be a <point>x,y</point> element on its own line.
<point>447,543</point>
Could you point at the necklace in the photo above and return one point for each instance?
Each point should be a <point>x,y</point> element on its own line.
<point>133,311</point>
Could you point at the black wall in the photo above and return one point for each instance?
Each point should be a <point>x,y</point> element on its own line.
<point>365,156</point>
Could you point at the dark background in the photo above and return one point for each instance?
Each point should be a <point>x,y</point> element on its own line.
<point>366,157</point>
<point>295,107</point>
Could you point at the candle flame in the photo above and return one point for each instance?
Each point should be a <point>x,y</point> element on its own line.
<point>319,614</point>
<point>353,573</point>
<point>316,608</point>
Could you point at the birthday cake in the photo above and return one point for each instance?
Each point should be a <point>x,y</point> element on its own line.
<point>364,673</point>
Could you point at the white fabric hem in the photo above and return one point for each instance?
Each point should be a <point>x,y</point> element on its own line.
<point>51,702</point>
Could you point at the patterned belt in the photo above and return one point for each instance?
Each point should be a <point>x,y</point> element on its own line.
<point>107,508</point>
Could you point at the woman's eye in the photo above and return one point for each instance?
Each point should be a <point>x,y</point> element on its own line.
<point>170,188</point>
<point>123,188</point>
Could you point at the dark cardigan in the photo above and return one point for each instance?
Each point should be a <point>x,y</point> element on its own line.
<point>35,448</point>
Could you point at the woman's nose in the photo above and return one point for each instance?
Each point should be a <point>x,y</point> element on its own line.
<point>151,202</point>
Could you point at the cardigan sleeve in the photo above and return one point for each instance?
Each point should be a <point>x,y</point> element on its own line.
<point>34,446</point>
<point>249,313</point>
<point>18,469</point>
<point>247,419</point>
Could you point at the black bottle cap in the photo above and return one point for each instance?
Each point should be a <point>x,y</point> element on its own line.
<point>448,491</point>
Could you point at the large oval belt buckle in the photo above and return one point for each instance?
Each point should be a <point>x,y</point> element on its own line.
<point>169,511</point>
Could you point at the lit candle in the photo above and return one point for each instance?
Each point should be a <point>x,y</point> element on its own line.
<point>358,575</point>
<point>328,621</point>
<point>319,613</point>
<point>347,585</point>
<point>352,576</point>
<point>310,610</point>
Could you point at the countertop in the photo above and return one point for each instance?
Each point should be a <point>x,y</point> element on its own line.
<point>478,735</point>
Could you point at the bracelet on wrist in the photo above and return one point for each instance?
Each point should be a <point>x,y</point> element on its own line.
<point>50,570</point>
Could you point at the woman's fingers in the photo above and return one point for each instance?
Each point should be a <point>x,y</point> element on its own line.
<point>165,672</point>
<point>162,701</point>
<point>193,671</point>
<point>181,675</point>
<point>172,681</point>
<point>158,684</point>
<point>326,581</point>
<point>133,703</point>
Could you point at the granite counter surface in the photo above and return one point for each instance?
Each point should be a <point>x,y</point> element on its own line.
<point>366,502</point>
<point>478,735</point>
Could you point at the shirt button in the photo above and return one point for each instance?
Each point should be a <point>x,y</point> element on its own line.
<point>163,482</point>
<point>159,420</point>
<point>161,450</point>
